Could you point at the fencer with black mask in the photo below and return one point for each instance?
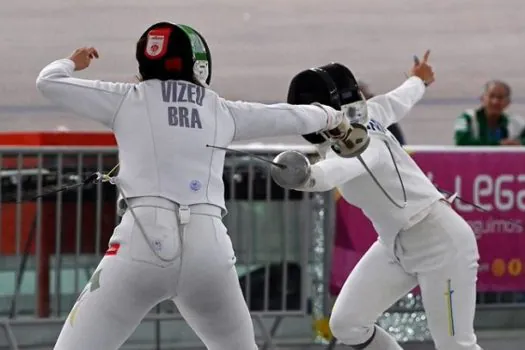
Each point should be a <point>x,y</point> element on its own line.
<point>171,243</point>
<point>421,239</point>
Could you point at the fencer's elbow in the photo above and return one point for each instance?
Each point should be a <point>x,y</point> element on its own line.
<point>42,83</point>
<point>47,86</point>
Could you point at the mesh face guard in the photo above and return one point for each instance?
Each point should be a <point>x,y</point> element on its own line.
<point>334,85</point>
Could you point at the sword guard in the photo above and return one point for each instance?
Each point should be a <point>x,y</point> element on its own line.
<point>353,143</point>
<point>294,172</point>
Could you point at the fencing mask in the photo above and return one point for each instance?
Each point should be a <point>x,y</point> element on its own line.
<point>174,51</point>
<point>333,85</point>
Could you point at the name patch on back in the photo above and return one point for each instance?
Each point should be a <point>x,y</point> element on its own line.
<point>188,97</point>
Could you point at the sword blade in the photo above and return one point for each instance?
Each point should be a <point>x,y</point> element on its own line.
<point>282,166</point>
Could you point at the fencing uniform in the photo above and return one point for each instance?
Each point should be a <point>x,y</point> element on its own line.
<point>424,243</point>
<point>171,242</point>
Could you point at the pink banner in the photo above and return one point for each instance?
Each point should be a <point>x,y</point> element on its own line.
<point>493,180</point>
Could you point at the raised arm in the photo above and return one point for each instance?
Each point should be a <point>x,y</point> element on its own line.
<point>394,105</point>
<point>391,107</point>
<point>254,120</point>
<point>335,171</point>
<point>93,99</point>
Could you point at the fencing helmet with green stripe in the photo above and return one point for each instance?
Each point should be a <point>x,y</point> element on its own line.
<point>169,51</point>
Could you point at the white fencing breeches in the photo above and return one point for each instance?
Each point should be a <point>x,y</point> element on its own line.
<point>196,271</point>
<point>440,255</point>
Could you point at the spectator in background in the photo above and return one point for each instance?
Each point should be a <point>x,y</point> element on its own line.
<point>394,128</point>
<point>489,125</point>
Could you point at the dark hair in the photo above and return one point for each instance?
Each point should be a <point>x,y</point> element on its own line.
<point>495,82</point>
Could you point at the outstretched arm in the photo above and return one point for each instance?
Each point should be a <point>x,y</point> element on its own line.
<point>254,120</point>
<point>335,171</point>
<point>92,99</point>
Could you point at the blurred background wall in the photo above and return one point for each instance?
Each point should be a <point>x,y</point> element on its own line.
<point>257,46</point>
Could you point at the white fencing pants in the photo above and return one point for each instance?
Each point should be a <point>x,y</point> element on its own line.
<point>196,271</point>
<point>439,254</point>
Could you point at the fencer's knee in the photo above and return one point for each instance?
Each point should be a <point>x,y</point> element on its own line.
<point>451,343</point>
<point>347,328</point>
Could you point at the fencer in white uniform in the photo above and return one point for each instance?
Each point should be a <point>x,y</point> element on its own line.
<point>171,243</point>
<point>422,240</point>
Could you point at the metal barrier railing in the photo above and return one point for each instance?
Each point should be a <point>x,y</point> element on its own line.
<point>50,246</point>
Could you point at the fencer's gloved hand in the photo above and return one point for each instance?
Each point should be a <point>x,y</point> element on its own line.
<point>335,117</point>
<point>348,139</point>
<point>340,132</point>
<point>291,170</point>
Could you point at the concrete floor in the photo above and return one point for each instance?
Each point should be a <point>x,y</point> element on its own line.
<point>259,45</point>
